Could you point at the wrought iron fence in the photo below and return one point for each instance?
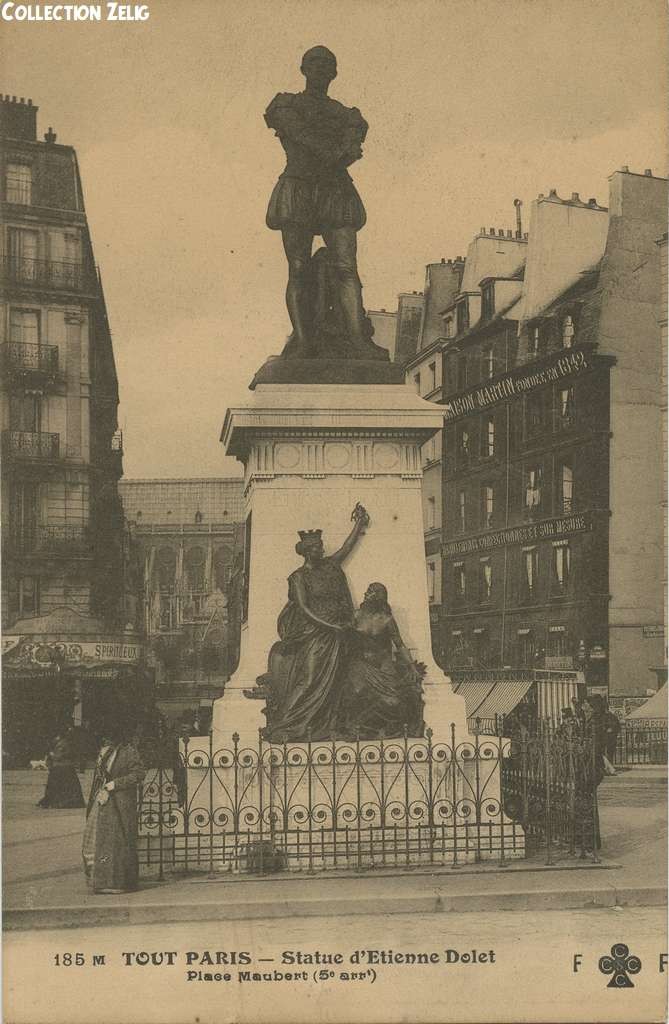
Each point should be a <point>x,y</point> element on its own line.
<point>361,805</point>
<point>641,743</point>
<point>549,783</point>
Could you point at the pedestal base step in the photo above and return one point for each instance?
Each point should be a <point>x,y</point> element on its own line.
<point>329,849</point>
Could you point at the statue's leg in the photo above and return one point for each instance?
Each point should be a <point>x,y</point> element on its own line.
<point>297,242</point>
<point>342,244</point>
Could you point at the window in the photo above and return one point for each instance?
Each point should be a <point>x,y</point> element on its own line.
<point>198,517</point>
<point>532,488</point>
<point>25,413</point>
<point>481,648</point>
<point>24,326</point>
<point>432,376</point>
<point>462,505</point>
<point>29,595</point>
<point>24,514</point>
<point>463,446</point>
<point>166,566</point>
<point>487,506</point>
<point>431,509</point>
<point>195,568</point>
<point>222,567</point>
<point>431,580</point>
<point>565,409</point>
<point>530,576</point>
<point>488,301</point>
<point>526,648</point>
<point>462,311</point>
<point>449,327</point>
<point>461,381</point>
<point>534,414</point>
<point>488,362</point>
<point>535,341</point>
<point>459,581</point>
<point>568,332</point>
<point>488,437</point>
<point>19,184</point>
<point>557,645</point>
<point>416,382</point>
<point>561,566</point>
<point>566,496</point>
<point>485,580</point>
<point>23,254</point>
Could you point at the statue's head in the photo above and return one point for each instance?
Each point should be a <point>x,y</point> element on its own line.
<point>310,544</point>
<point>376,594</point>
<point>319,64</point>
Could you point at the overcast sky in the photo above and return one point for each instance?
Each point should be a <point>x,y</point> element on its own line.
<point>470,103</point>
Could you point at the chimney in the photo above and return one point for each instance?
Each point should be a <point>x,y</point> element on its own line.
<point>18,119</point>
<point>519,223</point>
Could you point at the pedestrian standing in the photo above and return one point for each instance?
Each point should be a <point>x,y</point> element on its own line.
<point>110,837</point>
<point>63,789</point>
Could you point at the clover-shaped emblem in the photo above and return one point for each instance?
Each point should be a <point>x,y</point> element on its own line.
<point>620,965</point>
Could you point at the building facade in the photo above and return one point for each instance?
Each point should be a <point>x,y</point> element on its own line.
<point>66,552</point>
<point>550,549</point>
<point>188,533</point>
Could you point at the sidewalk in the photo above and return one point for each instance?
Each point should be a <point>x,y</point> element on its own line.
<point>44,885</point>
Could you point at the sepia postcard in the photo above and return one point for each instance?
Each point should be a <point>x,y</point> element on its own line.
<point>334,511</point>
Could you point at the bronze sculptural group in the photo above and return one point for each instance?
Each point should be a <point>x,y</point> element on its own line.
<point>337,672</point>
<point>316,196</point>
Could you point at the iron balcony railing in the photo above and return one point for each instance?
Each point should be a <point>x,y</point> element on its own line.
<point>24,357</point>
<point>59,539</point>
<point>49,273</point>
<point>26,444</point>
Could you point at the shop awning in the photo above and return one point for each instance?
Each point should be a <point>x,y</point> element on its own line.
<point>485,699</point>
<point>66,643</point>
<point>655,707</point>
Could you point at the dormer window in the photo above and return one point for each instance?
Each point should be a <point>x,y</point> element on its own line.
<point>568,332</point>
<point>488,301</point>
<point>463,315</point>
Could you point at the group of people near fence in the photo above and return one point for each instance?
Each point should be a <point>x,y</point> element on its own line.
<point>592,716</point>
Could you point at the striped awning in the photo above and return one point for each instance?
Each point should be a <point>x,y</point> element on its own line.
<point>486,698</point>
<point>475,692</point>
<point>503,698</point>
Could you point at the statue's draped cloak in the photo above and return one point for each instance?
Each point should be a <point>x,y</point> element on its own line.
<point>304,666</point>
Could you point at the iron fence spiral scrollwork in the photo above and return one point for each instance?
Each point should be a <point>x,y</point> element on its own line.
<point>360,804</point>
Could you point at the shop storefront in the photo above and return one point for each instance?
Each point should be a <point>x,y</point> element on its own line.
<point>54,676</point>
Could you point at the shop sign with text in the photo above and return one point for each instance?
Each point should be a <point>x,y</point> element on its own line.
<point>562,526</point>
<point>520,382</point>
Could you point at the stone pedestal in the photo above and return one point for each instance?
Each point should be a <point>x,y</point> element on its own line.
<point>311,452</point>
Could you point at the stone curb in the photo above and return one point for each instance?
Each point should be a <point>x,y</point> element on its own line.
<point>549,899</point>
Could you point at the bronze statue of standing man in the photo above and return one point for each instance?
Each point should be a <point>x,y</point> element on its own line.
<point>315,196</point>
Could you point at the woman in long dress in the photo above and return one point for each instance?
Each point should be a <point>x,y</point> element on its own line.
<point>382,693</point>
<point>302,684</point>
<point>63,789</point>
<point>110,837</point>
